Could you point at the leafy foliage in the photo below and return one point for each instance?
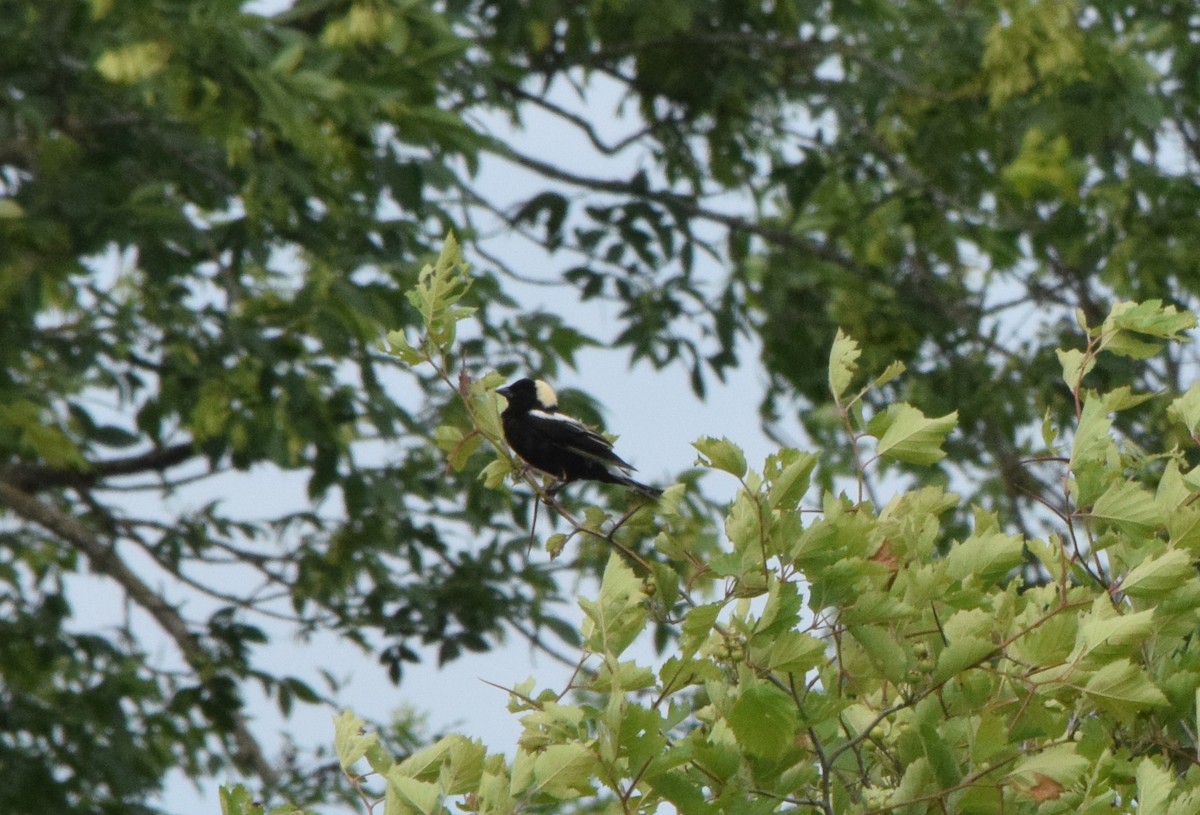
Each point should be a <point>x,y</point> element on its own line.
<point>208,216</point>
<point>848,657</point>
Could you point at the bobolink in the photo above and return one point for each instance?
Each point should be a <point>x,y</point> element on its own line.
<point>558,445</point>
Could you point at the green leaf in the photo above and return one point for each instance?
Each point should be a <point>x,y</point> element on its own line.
<point>962,653</point>
<point>237,800</point>
<point>399,345</point>
<point>619,614</point>
<point>350,740</point>
<point>843,364</point>
<point>1092,443</point>
<point>697,625</point>
<point>440,286</point>
<point>1150,318</point>
<point>1128,507</point>
<point>1183,527</point>
<point>1075,366</point>
<point>1111,633</point>
<point>794,652</point>
<point>1155,788</point>
<point>412,796</point>
<point>457,444</point>
<point>462,771</point>
<point>1186,409</point>
<point>1124,398</point>
<point>987,557</point>
<point>763,720</point>
<point>1060,763</point>
<point>788,474</point>
<point>906,434</point>
<point>495,472</point>
<point>883,650</point>
<point>679,790</point>
<point>1157,576</point>
<point>889,373</point>
<point>721,454</point>
<point>134,62</point>
<point>564,771</point>
<point>1122,688</point>
<point>10,209</point>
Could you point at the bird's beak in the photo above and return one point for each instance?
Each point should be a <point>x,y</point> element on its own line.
<point>505,391</point>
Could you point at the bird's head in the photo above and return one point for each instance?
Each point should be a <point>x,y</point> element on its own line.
<point>528,394</point>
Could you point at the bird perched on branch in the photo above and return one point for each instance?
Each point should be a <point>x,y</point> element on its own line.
<point>558,445</point>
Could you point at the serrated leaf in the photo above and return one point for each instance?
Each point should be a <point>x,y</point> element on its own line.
<point>564,771</point>
<point>494,794</point>
<point>461,773</point>
<point>1049,431</point>
<point>883,650</point>
<point>909,436</point>
<point>618,615</point>
<point>1186,409</point>
<point>963,652</point>
<point>1099,631</point>
<point>988,556</point>
<point>1061,763</point>
<point>1122,688</point>
<point>1150,317</point>
<point>1172,492</point>
<point>494,474</point>
<point>721,454</point>
<point>697,625</point>
<point>412,796</point>
<point>439,287</point>
<point>399,345</point>
<point>1124,398</point>
<point>1183,527</point>
<point>1092,440</point>
<point>843,364</point>
<point>1128,507</point>
<point>763,720</point>
<point>788,473</point>
<point>350,739</point>
<point>1157,576</point>
<point>237,800</point>
<point>1075,366</point>
<point>1155,788</point>
<point>918,781</point>
<point>795,652</point>
<point>427,763</point>
<point>1126,344</point>
<point>889,373</point>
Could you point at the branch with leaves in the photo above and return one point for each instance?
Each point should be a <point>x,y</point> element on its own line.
<point>864,658</point>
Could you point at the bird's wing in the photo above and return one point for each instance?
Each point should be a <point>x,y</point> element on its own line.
<point>578,437</point>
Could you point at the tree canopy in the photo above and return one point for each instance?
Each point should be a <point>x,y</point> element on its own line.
<point>209,218</point>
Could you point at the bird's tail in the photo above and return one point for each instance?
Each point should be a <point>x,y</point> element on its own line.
<point>644,489</point>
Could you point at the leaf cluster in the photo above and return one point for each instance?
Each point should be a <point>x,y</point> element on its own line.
<point>839,656</point>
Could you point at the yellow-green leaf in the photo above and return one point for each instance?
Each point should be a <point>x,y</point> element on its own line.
<point>906,434</point>
<point>843,364</point>
<point>721,454</point>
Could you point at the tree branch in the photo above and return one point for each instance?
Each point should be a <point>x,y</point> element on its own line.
<point>685,205</point>
<point>30,478</point>
<point>103,558</point>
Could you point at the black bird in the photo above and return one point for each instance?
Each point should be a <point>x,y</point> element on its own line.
<point>558,445</point>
